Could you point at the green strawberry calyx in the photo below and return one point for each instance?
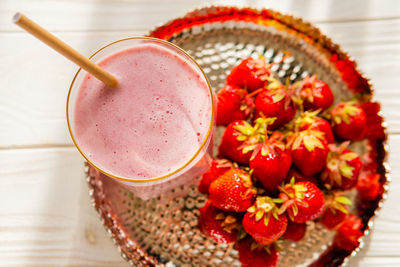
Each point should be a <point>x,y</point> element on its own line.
<point>224,163</point>
<point>338,166</point>
<point>306,88</point>
<point>311,139</point>
<point>344,111</point>
<point>256,135</point>
<point>291,196</point>
<point>228,222</point>
<point>269,146</point>
<point>306,118</point>
<point>255,246</point>
<point>337,201</point>
<point>263,208</point>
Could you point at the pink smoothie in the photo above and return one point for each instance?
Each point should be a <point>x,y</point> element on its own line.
<point>152,123</point>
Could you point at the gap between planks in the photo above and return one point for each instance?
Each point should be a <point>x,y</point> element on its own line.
<point>36,146</point>
<point>42,146</point>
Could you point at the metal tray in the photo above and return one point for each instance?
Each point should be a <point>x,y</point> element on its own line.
<point>163,231</point>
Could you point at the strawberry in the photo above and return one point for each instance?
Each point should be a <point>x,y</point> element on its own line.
<point>336,210</point>
<point>218,225</point>
<point>368,186</point>
<point>250,74</point>
<point>303,201</point>
<point>299,177</point>
<point>374,120</point>
<point>349,121</point>
<point>316,94</point>
<point>310,120</point>
<point>275,101</point>
<point>342,167</point>
<point>309,151</point>
<point>232,191</point>
<point>263,223</point>
<point>349,233</point>
<point>237,136</point>
<point>217,168</point>
<point>253,255</point>
<point>271,161</point>
<point>233,104</point>
<point>295,231</point>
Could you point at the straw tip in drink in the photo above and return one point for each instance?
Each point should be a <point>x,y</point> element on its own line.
<point>16,17</point>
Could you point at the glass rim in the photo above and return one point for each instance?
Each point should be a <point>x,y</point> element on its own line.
<point>206,138</point>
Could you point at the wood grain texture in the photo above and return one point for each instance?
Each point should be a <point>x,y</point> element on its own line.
<point>46,217</point>
<point>34,113</point>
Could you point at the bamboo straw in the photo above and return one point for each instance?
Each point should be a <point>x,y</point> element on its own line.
<point>64,49</point>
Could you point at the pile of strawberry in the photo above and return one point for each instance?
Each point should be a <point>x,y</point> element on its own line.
<point>283,161</point>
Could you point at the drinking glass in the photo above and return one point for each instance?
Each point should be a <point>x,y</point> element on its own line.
<point>198,163</point>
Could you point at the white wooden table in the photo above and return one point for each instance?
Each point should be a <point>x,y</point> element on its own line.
<point>46,218</point>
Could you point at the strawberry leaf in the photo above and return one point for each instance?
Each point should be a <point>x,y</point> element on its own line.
<point>346,170</point>
<point>277,200</point>
<point>259,214</point>
<point>266,219</point>
<point>278,97</point>
<point>343,200</point>
<point>220,216</point>
<point>241,137</point>
<point>251,209</point>
<point>311,142</point>
<point>297,143</point>
<point>295,209</point>
<point>242,233</point>
<point>348,156</point>
<point>247,149</point>
<point>264,151</point>
<point>230,219</point>
<point>342,209</point>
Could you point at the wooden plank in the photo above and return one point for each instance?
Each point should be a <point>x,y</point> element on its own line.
<point>32,102</point>
<point>46,217</point>
<point>141,14</point>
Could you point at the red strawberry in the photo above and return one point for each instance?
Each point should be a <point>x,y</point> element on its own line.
<point>263,223</point>
<point>303,201</point>
<point>310,120</point>
<point>295,231</point>
<point>276,102</point>
<point>368,186</point>
<point>336,210</point>
<point>299,177</point>
<point>315,93</point>
<point>218,167</point>
<point>342,167</point>
<point>233,104</point>
<point>349,121</point>
<point>349,233</point>
<point>253,255</point>
<point>237,136</point>
<point>218,225</point>
<point>309,151</point>
<point>250,74</point>
<point>374,120</point>
<point>271,161</point>
<point>232,191</point>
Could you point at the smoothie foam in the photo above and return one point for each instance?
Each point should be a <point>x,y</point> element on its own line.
<point>152,123</point>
